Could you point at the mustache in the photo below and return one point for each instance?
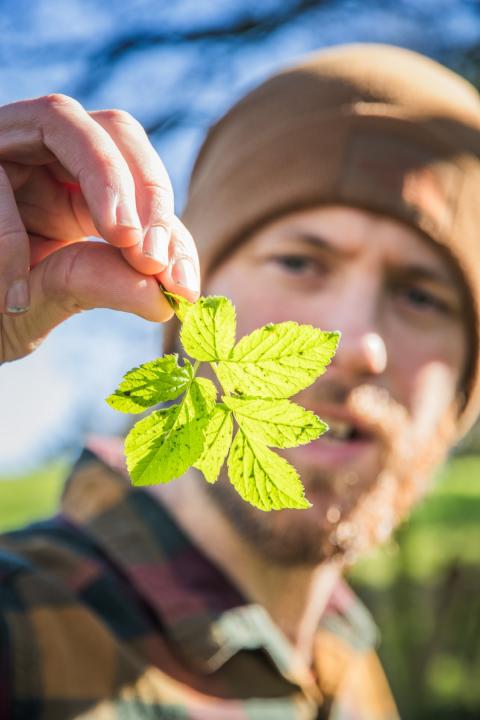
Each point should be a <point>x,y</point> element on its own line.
<point>371,407</point>
<point>380,415</point>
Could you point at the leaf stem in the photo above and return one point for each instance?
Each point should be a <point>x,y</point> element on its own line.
<point>184,398</point>
<point>213,365</point>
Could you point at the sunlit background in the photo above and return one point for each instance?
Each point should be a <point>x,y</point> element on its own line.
<point>176,66</point>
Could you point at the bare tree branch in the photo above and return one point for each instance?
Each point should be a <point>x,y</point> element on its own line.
<point>241,29</point>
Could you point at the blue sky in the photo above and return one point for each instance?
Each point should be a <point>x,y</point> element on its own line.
<point>49,400</point>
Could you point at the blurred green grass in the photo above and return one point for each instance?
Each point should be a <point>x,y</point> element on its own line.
<point>31,496</point>
<point>444,528</point>
<point>423,588</point>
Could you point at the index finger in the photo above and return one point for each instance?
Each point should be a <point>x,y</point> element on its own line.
<point>168,249</point>
<point>57,126</point>
<point>153,190</point>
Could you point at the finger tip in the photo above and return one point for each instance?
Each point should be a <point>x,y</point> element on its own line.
<point>190,295</point>
<point>142,262</point>
<point>150,265</point>
<point>176,288</point>
<point>162,314</point>
<point>155,246</point>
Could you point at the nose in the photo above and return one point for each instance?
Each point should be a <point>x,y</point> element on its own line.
<point>361,353</point>
<point>373,352</point>
<point>362,350</point>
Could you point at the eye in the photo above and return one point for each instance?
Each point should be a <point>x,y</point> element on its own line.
<point>421,299</point>
<point>295,264</point>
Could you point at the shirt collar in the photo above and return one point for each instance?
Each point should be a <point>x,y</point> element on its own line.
<point>206,616</point>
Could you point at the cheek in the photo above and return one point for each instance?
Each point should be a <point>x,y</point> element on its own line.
<point>424,376</point>
<point>256,303</point>
<point>432,395</point>
<point>259,309</point>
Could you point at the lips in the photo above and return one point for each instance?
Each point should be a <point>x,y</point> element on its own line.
<point>339,430</point>
<point>348,441</point>
<point>345,430</point>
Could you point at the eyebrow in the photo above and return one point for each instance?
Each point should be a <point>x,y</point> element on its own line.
<point>419,272</point>
<point>320,243</point>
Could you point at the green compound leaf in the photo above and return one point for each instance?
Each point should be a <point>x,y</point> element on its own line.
<point>157,381</point>
<point>262,477</point>
<point>277,361</point>
<point>261,371</point>
<point>208,330</point>
<point>165,444</point>
<point>277,423</point>
<point>200,399</point>
<point>179,304</point>
<point>218,436</point>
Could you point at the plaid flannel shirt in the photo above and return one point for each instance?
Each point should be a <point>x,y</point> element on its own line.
<point>109,612</point>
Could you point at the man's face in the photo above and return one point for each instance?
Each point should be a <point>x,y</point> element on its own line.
<point>389,392</point>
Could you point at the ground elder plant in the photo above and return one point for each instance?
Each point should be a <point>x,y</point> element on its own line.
<point>203,427</point>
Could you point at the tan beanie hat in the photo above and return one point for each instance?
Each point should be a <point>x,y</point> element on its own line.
<point>369,126</point>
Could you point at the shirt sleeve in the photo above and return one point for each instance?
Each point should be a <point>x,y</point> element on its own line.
<point>8,601</point>
<point>365,693</point>
<point>354,680</point>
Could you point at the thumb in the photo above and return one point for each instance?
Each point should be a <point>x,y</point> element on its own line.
<point>78,277</point>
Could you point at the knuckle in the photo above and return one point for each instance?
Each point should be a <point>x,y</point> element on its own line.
<point>182,244</point>
<point>160,199</point>
<point>111,164</point>
<point>159,188</point>
<point>15,338</point>
<point>57,103</point>
<point>11,237</point>
<point>59,278</point>
<point>106,166</point>
<point>118,117</point>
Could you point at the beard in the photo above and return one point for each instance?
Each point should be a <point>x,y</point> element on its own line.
<point>352,511</point>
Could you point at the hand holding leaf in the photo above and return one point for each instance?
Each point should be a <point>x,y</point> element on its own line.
<point>257,375</point>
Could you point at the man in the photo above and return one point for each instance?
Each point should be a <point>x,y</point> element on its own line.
<point>339,193</point>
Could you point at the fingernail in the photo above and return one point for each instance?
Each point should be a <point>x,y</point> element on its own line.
<point>18,297</point>
<point>184,274</point>
<point>155,244</point>
<point>127,216</point>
